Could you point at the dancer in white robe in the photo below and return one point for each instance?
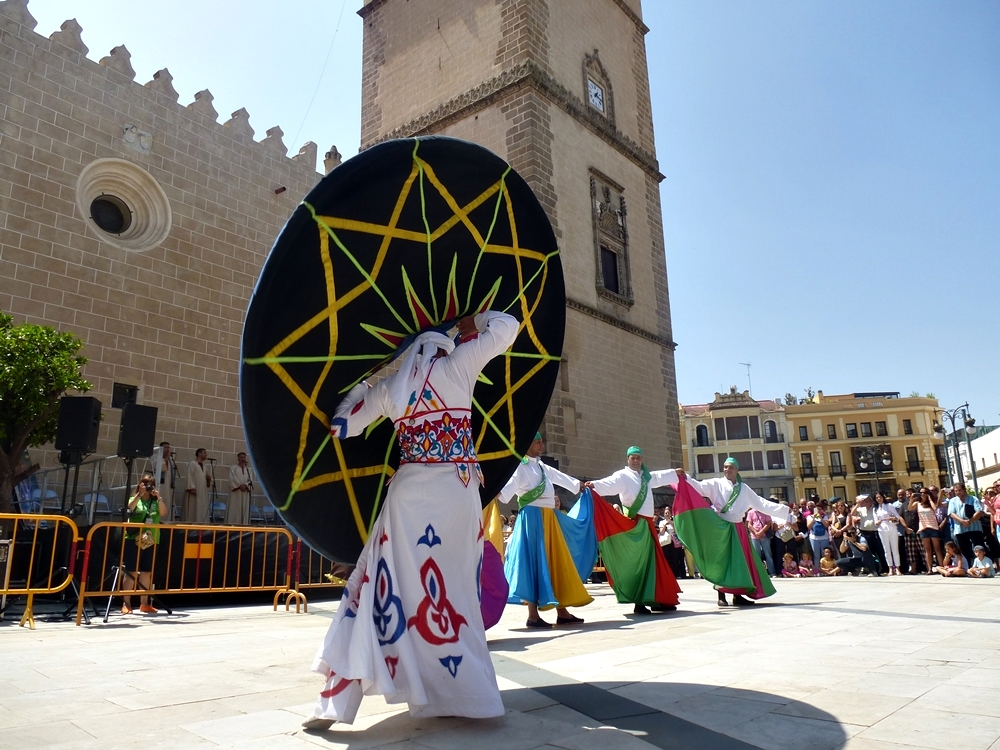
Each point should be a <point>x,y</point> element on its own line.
<point>641,582</point>
<point>551,554</point>
<point>731,499</point>
<point>409,626</point>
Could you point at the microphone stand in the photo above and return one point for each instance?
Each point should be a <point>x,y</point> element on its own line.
<point>214,496</point>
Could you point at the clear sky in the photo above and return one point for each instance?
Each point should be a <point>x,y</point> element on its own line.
<point>832,200</point>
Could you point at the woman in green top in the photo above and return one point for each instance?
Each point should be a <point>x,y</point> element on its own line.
<point>145,507</point>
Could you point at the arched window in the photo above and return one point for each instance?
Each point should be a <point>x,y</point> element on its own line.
<point>770,431</point>
<point>702,435</point>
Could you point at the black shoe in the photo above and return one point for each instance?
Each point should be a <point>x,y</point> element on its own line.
<point>539,623</point>
<point>741,601</point>
<point>663,608</point>
<point>571,620</point>
<point>722,600</point>
<point>641,609</point>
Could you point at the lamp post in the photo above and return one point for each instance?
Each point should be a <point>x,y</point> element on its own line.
<point>879,455</point>
<point>962,413</point>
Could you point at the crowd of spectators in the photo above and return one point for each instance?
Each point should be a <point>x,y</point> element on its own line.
<point>920,531</point>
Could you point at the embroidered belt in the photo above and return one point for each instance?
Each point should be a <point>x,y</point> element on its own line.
<point>445,440</point>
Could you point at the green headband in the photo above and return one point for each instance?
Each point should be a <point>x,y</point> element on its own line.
<point>635,450</point>
<point>732,461</point>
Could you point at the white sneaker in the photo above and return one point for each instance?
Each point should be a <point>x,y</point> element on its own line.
<point>317,723</point>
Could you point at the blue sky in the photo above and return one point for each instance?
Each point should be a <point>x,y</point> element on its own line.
<point>832,201</point>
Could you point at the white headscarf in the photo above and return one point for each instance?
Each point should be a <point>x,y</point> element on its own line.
<point>415,365</point>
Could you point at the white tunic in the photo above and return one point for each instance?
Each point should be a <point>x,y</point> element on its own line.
<point>196,481</point>
<point>410,625</point>
<point>529,475</point>
<point>165,486</point>
<point>718,490</point>
<point>627,483</point>
<point>238,507</point>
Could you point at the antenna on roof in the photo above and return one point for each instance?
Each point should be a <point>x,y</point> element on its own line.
<point>749,385</point>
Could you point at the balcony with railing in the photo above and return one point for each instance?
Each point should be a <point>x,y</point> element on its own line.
<point>838,470</point>
<point>703,443</point>
<point>870,468</point>
<point>808,472</point>
<point>914,467</point>
<point>777,438</point>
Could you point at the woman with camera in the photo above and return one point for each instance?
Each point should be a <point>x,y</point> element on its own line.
<point>145,507</point>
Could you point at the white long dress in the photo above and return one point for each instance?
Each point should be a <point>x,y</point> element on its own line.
<point>410,626</point>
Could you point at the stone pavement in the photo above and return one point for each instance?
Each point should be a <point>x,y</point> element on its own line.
<point>834,663</point>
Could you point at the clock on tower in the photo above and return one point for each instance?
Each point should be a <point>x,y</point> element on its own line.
<point>596,95</point>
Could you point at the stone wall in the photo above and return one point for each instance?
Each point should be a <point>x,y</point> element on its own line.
<point>168,319</point>
<point>527,103</point>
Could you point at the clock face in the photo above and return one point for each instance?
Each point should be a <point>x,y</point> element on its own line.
<point>596,94</point>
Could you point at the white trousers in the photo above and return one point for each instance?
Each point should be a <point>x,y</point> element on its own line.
<point>890,543</point>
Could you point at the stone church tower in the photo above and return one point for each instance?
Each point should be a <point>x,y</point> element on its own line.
<point>560,89</point>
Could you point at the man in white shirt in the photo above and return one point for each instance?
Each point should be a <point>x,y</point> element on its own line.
<point>541,567</point>
<point>634,485</point>
<point>732,499</point>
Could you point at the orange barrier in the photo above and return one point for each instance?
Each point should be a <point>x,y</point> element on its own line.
<point>186,559</point>
<point>35,567</point>
<point>311,571</point>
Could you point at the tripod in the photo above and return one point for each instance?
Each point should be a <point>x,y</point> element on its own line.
<point>213,498</point>
<point>120,571</point>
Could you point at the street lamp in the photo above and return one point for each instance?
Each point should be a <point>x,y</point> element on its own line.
<point>962,413</point>
<point>878,455</point>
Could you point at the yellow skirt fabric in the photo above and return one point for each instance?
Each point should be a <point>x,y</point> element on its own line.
<point>566,583</point>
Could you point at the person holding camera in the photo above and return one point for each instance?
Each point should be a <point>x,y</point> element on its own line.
<point>145,507</point>
<point>854,547</point>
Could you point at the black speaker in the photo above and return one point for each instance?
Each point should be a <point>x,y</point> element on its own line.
<point>137,435</point>
<point>79,424</point>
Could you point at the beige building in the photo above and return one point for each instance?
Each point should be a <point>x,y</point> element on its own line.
<point>560,90</point>
<point>832,436</point>
<point>189,208</point>
<point>752,432</point>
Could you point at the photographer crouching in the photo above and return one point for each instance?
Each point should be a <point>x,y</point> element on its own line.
<point>145,507</point>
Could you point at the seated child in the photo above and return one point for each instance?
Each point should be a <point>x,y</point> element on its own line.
<point>790,568</point>
<point>806,565</point>
<point>827,564</point>
<point>954,563</point>
<point>982,566</point>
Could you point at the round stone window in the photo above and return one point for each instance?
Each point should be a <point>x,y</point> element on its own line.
<point>110,214</point>
<point>123,204</point>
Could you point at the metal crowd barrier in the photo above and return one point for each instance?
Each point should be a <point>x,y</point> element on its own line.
<point>310,571</point>
<point>37,559</point>
<point>187,559</point>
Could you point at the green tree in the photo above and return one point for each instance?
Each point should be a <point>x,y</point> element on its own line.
<point>37,366</point>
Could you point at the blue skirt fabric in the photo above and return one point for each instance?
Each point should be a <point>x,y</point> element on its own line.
<point>581,538</point>
<point>527,566</point>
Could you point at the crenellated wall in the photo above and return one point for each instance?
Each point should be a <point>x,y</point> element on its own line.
<point>161,305</point>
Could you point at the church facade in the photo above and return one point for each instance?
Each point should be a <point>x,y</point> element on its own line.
<point>141,223</point>
<point>560,89</point>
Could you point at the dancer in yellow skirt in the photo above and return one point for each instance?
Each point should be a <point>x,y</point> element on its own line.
<point>550,553</point>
